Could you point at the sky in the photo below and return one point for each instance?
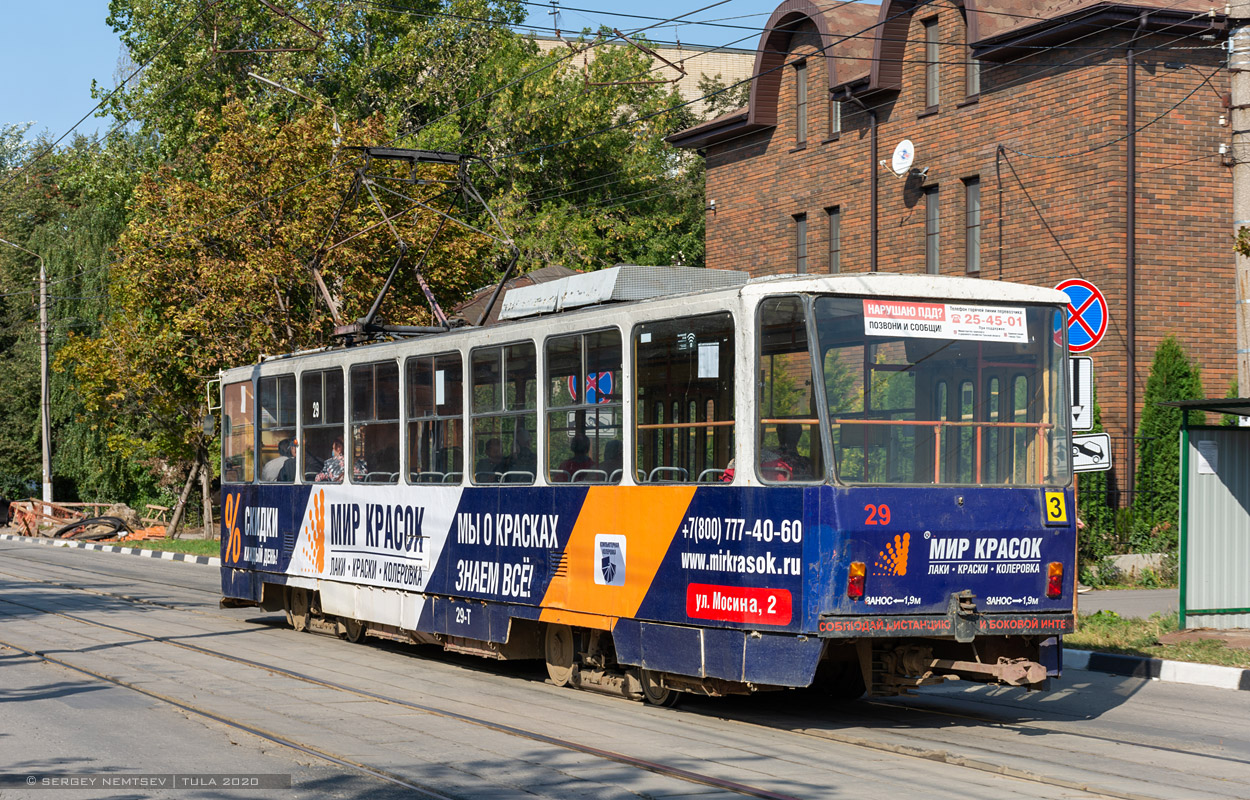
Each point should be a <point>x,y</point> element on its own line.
<point>53,51</point>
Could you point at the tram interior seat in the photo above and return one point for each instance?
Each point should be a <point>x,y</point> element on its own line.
<point>558,476</point>
<point>711,475</point>
<point>431,477</point>
<point>615,477</point>
<point>590,476</point>
<point>309,477</point>
<point>679,475</point>
<point>486,477</point>
<point>517,476</point>
<point>453,477</point>
<point>381,477</point>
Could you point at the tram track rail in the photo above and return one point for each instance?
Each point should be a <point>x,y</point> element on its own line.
<point>927,753</point>
<point>607,755</point>
<point>886,707</point>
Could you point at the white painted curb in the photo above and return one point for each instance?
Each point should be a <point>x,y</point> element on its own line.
<point>210,561</point>
<point>1159,669</point>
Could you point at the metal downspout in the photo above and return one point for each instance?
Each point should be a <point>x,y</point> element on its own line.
<point>1130,233</point>
<point>872,180</point>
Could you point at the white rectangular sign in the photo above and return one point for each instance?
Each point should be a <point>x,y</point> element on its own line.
<point>943,321</point>
<point>1091,452</point>
<point>1082,393</point>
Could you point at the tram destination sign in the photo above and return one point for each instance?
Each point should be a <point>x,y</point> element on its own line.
<point>1091,452</point>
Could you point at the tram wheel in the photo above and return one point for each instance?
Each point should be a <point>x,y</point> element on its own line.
<point>559,653</point>
<point>353,630</point>
<point>298,609</point>
<point>655,693</point>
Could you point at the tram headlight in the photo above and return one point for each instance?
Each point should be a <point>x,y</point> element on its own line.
<point>855,580</point>
<point>1054,579</point>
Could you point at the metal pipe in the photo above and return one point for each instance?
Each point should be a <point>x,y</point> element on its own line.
<point>1130,289</point>
<point>872,180</point>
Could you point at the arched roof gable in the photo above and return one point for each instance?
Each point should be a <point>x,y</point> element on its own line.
<point>771,55</point>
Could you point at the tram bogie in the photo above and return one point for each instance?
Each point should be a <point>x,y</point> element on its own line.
<point>853,482</point>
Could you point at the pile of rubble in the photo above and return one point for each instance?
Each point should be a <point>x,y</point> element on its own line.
<point>86,522</point>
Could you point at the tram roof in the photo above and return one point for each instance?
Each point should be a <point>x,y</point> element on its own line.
<point>878,284</point>
<point>891,284</point>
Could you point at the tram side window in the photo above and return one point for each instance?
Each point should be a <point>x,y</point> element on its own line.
<point>435,419</point>
<point>684,398</point>
<point>788,442</point>
<point>278,446</point>
<point>238,435</point>
<point>321,417</point>
<point>505,415</point>
<point>375,422</point>
<point>584,401</point>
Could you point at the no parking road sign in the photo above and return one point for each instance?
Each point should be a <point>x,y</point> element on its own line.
<point>1087,314</point>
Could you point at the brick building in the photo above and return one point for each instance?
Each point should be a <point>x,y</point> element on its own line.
<point>1025,159</point>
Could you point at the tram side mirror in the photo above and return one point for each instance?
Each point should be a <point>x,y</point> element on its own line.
<point>209,424</point>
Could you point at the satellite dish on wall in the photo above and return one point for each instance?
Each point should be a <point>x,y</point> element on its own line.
<point>904,155</point>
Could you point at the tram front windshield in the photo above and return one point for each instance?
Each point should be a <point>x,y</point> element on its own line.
<point>930,392</point>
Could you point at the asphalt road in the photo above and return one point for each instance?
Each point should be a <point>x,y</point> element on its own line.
<point>117,664</point>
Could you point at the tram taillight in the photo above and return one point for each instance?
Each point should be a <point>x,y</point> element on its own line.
<point>855,580</point>
<point>1054,579</point>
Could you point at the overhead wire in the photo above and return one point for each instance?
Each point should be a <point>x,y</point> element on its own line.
<point>40,156</point>
<point>1020,80</point>
<point>211,222</point>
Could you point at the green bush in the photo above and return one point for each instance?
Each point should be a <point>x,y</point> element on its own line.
<point>1156,501</point>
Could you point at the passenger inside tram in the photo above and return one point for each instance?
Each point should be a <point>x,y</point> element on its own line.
<point>581,457</point>
<point>522,458</point>
<point>489,463</point>
<point>281,469</point>
<point>332,466</point>
<point>613,457</point>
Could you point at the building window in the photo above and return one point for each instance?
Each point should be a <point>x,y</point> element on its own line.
<point>835,239</point>
<point>800,243</point>
<point>972,223</point>
<point>800,77</point>
<point>835,117</point>
<point>931,219</point>
<point>972,75</point>
<point>931,57</point>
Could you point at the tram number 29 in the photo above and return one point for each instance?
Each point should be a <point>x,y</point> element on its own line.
<point>463,615</point>
<point>877,515</point>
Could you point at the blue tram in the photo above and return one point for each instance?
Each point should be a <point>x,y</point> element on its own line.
<point>664,480</point>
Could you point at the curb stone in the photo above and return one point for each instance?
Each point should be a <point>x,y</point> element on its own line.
<point>1159,669</point>
<point>210,561</point>
<point>1131,666</point>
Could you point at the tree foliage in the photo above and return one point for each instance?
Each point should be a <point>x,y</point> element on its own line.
<point>1172,377</point>
<point>215,272</point>
<point>183,243</point>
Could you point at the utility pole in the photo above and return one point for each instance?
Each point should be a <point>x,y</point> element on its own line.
<point>1239,67</point>
<point>45,420</point>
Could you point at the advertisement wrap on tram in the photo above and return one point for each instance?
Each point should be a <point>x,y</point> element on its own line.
<point>771,478</point>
